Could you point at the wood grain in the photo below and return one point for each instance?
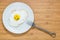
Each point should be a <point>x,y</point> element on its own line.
<point>47,15</point>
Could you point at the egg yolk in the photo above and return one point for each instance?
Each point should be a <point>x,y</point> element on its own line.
<point>16,17</point>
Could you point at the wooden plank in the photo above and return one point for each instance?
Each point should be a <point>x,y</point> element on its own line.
<point>47,15</point>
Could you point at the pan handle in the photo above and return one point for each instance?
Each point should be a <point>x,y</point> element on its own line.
<point>52,34</point>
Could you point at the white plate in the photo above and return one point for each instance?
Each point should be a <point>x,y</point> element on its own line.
<point>23,27</point>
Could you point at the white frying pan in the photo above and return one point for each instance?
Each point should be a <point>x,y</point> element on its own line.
<point>24,23</point>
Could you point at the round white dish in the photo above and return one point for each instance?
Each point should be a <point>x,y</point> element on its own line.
<point>22,28</point>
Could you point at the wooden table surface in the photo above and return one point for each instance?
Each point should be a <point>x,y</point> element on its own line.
<point>47,15</point>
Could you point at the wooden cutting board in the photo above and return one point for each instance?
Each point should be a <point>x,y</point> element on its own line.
<point>47,15</point>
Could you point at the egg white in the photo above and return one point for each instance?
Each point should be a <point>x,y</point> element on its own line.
<point>23,17</point>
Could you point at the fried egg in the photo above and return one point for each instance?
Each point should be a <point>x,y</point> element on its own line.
<point>18,17</point>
